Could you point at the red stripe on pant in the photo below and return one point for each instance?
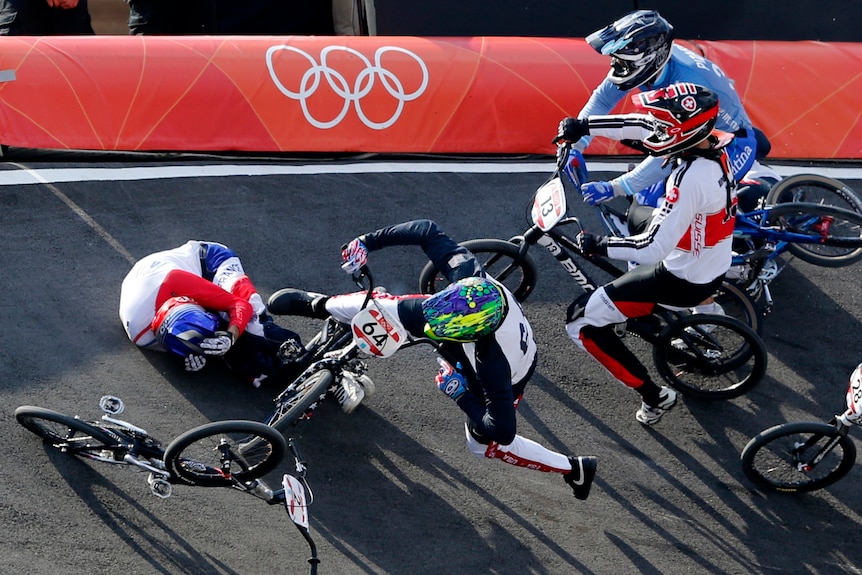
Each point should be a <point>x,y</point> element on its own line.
<point>493,452</point>
<point>623,373</point>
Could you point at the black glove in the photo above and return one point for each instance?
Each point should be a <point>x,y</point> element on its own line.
<point>572,130</point>
<point>591,245</point>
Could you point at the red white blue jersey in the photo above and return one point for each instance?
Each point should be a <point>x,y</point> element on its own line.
<point>208,272</point>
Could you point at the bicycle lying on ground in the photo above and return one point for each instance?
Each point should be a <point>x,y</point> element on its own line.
<point>206,456</point>
<point>702,355</point>
<point>819,234</point>
<point>805,456</point>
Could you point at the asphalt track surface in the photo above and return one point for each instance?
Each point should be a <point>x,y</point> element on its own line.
<point>396,491</point>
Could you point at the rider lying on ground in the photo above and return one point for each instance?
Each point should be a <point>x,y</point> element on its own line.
<point>196,301</point>
<point>481,325</point>
<point>685,250</point>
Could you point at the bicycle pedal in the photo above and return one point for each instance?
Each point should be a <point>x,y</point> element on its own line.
<point>159,487</point>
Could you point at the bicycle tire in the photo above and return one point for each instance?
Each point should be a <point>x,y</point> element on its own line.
<point>768,459</point>
<point>70,434</point>
<point>738,304</point>
<point>839,246</point>
<point>814,189</point>
<point>294,406</point>
<point>501,261</point>
<point>710,356</point>
<point>208,455</point>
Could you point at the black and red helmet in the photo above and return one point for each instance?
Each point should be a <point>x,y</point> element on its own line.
<point>684,115</point>
<point>639,45</point>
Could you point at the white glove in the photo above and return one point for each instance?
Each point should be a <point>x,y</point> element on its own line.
<point>218,344</point>
<point>195,362</point>
<point>355,255</point>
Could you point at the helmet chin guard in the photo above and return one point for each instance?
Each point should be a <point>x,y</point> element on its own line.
<point>684,114</point>
<point>639,45</point>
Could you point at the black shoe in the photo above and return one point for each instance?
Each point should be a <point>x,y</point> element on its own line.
<point>580,478</point>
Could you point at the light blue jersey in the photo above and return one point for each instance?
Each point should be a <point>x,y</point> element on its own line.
<point>683,66</point>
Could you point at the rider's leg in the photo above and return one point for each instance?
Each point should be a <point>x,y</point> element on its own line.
<point>577,471</point>
<point>521,452</point>
<point>590,322</point>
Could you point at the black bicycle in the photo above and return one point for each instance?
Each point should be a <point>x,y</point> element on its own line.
<point>702,355</point>
<point>338,351</point>
<point>206,456</point>
<point>805,456</point>
<point>325,361</point>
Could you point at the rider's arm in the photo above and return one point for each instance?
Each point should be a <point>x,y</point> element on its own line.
<point>664,232</point>
<point>454,261</point>
<point>208,295</point>
<point>631,127</point>
<point>603,99</point>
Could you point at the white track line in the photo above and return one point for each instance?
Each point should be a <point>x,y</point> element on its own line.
<point>85,174</point>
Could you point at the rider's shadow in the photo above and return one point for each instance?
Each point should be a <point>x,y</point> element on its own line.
<point>802,346</point>
<point>362,469</point>
<point>144,535</point>
<point>721,442</point>
<point>389,503</point>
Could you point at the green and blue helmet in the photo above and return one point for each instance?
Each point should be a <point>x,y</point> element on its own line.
<point>465,310</point>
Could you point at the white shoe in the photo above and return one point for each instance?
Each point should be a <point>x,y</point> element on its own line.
<point>349,394</point>
<point>713,308</point>
<point>649,415</point>
<point>367,385</point>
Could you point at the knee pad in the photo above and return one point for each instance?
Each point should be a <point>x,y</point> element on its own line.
<point>577,307</point>
<point>477,444</point>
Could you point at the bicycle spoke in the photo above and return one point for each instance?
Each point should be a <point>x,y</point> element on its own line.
<point>791,461</point>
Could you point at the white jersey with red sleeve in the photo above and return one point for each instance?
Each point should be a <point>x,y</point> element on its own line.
<point>139,294</point>
<point>692,230</point>
<point>141,286</point>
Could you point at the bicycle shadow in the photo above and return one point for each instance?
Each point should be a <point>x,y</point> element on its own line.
<point>720,510</point>
<point>159,546</point>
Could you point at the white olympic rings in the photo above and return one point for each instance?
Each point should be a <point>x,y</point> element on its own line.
<point>338,83</point>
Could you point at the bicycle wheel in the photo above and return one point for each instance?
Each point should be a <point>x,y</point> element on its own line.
<point>814,189</point>
<point>737,304</point>
<point>70,434</point>
<point>297,402</point>
<point>208,456</point>
<point>784,457</point>
<point>834,236</point>
<point>710,356</point>
<point>501,261</point>
<point>293,405</point>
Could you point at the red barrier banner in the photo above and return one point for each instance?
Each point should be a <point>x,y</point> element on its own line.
<point>380,94</point>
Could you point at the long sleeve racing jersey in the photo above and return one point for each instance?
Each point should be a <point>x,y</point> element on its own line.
<point>692,230</point>
<point>683,66</point>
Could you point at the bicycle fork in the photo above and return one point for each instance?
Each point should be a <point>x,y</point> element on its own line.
<point>799,448</point>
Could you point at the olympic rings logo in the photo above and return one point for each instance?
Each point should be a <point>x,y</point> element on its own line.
<point>362,85</point>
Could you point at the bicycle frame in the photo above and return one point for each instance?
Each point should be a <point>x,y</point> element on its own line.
<point>104,439</point>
